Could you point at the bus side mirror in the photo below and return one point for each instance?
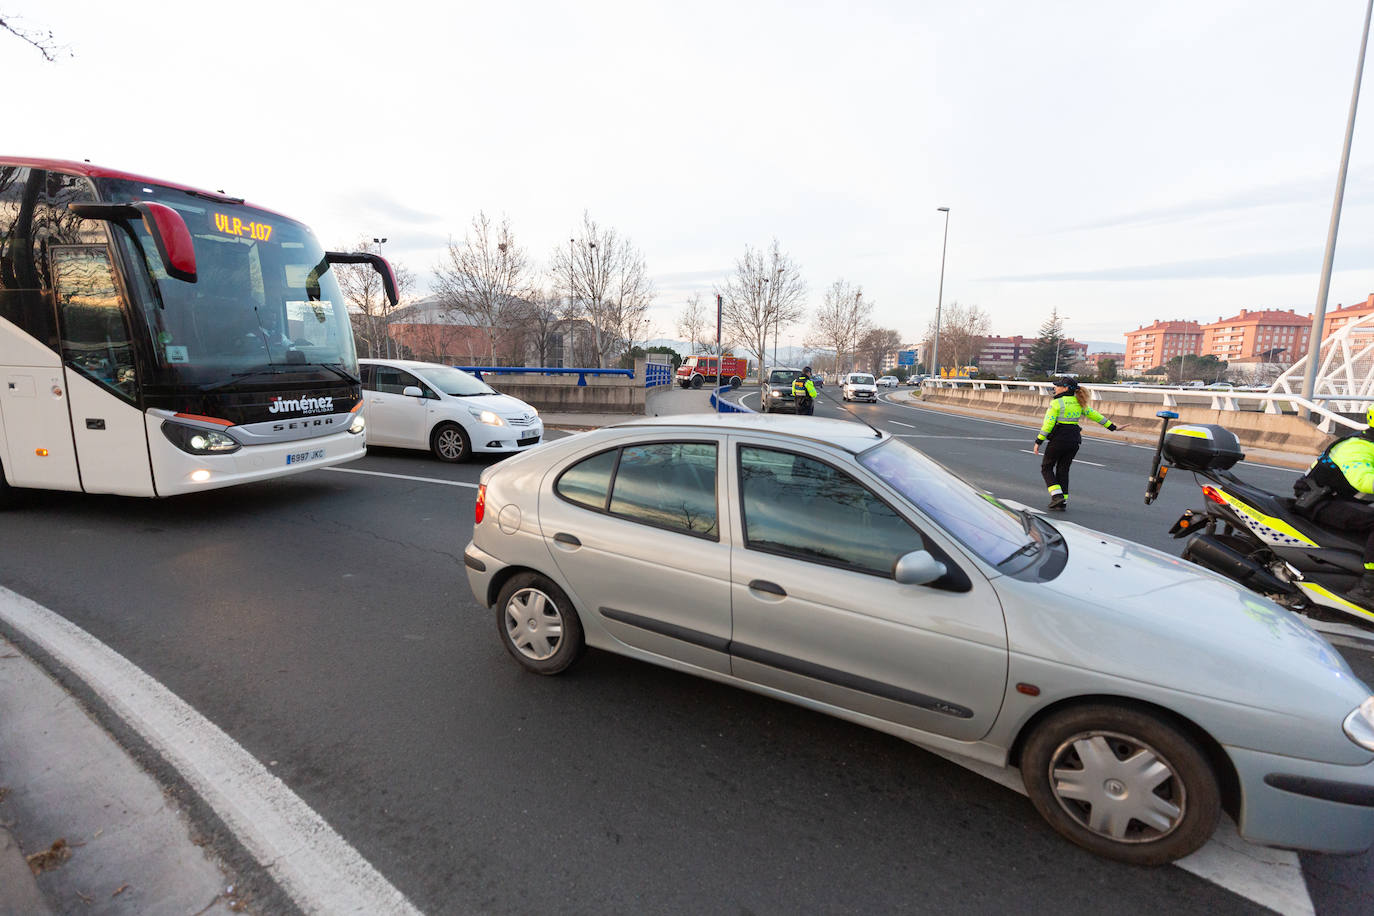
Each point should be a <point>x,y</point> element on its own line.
<point>171,236</point>
<point>379,264</point>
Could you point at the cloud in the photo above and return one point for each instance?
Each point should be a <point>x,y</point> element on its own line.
<point>1298,261</point>
<point>384,207</point>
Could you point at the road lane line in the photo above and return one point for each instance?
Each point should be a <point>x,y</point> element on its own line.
<point>447,483</point>
<point>1270,877</point>
<point>315,866</point>
<point>1075,461</point>
<point>1033,428</point>
<point>900,423</point>
<point>969,438</point>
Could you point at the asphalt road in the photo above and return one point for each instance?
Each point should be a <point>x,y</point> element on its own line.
<point>324,622</point>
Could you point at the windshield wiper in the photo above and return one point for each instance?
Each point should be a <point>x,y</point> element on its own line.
<point>1029,547</point>
<point>469,394</point>
<point>340,370</point>
<point>236,377</point>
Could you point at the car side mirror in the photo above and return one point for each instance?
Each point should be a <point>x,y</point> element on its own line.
<point>412,391</point>
<point>917,568</point>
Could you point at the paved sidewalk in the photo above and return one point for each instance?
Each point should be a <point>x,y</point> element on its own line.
<point>100,832</point>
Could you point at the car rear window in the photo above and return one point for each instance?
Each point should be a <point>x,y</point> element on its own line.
<point>664,484</point>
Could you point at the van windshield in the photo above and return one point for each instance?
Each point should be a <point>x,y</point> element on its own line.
<point>861,380</point>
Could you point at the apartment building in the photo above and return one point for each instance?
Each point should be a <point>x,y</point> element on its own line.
<point>1281,334</point>
<point>1008,355</point>
<point>1156,344</point>
<point>1343,315</point>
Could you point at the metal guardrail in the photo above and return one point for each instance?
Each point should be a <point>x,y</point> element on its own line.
<point>657,374</point>
<point>720,405</point>
<point>536,370</point>
<point>1326,420</point>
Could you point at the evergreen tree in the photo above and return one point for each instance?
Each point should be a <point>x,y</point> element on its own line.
<point>1050,349</point>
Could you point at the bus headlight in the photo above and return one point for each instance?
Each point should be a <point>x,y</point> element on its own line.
<point>359,424</point>
<point>198,441</point>
<point>487,417</point>
<point>1359,725</point>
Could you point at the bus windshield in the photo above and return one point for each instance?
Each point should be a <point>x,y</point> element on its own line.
<point>263,295</point>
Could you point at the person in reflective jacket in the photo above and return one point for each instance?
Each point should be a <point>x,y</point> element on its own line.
<point>1061,435</point>
<point>1328,494</point>
<point>804,393</point>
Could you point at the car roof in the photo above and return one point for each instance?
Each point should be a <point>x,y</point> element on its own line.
<point>849,435</point>
<point>405,363</point>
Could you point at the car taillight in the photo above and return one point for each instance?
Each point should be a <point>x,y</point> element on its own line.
<point>480,508</point>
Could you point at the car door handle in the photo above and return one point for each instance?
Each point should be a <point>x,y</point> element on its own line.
<point>762,585</point>
<point>566,540</point>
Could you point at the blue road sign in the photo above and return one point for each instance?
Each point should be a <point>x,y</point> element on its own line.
<point>906,357</point>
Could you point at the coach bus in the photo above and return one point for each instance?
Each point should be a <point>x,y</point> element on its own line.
<point>156,339</point>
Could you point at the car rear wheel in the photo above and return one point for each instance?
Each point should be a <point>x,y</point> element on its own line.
<point>1124,784</point>
<point>538,625</point>
<point>450,443</point>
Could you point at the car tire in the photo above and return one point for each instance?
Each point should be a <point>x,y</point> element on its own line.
<point>736,381</point>
<point>696,381</point>
<point>538,625</point>
<point>1084,771</point>
<point>449,442</point>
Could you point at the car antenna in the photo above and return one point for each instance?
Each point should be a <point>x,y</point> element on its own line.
<point>876,431</point>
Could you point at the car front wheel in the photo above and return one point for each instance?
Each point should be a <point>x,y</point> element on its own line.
<point>538,625</point>
<point>1124,784</point>
<point>450,443</point>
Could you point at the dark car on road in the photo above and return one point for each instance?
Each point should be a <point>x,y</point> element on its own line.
<point>777,391</point>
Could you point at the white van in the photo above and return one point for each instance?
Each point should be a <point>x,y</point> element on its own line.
<point>443,410</point>
<point>859,386</point>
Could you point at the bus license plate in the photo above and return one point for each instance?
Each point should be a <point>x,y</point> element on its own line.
<point>299,457</point>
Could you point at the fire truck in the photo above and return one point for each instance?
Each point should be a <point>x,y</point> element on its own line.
<point>697,370</point>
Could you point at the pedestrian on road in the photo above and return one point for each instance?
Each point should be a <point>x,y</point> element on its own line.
<point>804,393</point>
<point>1061,434</point>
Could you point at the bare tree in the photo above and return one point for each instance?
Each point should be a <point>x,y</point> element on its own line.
<point>540,317</point>
<point>485,277</point>
<point>963,331</point>
<point>441,340</point>
<point>43,41</point>
<point>607,285</point>
<point>372,313</point>
<point>763,294</point>
<point>694,324</point>
<point>841,322</point>
<point>875,345</point>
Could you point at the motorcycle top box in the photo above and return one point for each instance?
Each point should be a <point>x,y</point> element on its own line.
<point>1202,447</point>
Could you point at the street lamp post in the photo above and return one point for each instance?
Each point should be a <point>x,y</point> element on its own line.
<point>940,297</point>
<point>386,324</point>
<point>1314,340</point>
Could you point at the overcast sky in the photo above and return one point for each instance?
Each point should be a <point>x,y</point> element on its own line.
<point>1120,161</point>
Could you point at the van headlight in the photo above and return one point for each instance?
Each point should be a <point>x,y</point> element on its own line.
<point>486,416</point>
<point>1359,725</point>
<point>358,425</point>
<point>198,441</point>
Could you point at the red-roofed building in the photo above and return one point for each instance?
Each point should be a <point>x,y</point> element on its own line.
<point>1251,333</point>
<point>1158,343</point>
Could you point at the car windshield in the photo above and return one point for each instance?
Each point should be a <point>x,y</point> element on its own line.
<point>990,530</point>
<point>263,294</point>
<point>456,382</point>
<point>861,380</point>
<point>782,376</point>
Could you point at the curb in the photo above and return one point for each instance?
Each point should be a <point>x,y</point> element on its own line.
<point>21,896</point>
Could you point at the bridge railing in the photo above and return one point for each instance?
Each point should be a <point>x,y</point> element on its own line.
<point>1327,420</point>
<point>581,374</point>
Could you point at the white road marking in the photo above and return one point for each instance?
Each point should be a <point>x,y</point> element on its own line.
<point>447,483</point>
<point>1117,442</point>
<point>1075,461</point>
<point>315,866</point>
<point>969,438</point>
<point>1270,877</point>
<point>900,423</point>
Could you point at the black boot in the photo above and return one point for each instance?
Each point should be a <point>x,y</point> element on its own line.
<point>1058,502</point>
<point>1363,591</point>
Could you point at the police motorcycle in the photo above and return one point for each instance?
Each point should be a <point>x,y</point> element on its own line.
<point>1255,537</point>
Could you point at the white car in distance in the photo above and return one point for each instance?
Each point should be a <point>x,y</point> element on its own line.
<point>887,381</point>
<point>443,410</point>
<point>859,386</point>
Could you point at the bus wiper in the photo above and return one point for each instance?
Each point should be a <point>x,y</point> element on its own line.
<point>340,370</point>
<point>235,377</point>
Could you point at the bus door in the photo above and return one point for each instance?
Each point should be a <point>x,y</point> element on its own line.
<point>102,380</point>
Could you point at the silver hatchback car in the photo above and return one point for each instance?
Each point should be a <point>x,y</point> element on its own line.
<point>819,562</point>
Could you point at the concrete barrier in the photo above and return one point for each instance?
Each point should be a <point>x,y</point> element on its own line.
<point>562,393</point>
<point>1282,432</point>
